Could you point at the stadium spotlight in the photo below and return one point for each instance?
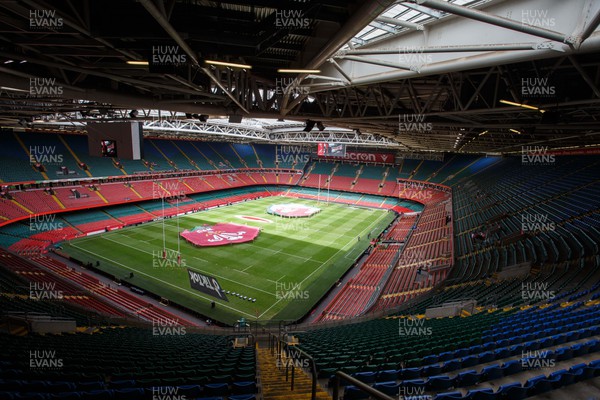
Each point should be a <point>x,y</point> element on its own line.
<point>320,126</point>
<point>512,103</point>
<point>298,71</point>
<point>309,125</point>
<point>228,64</point>
<point>137,62</point>
<point>133,113</point>
<point>203,118</point>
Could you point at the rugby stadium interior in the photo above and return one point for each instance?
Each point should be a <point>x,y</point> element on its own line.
<point>299,199</point>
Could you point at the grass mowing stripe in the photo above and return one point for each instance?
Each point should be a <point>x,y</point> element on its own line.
<point>326,262</point>
<point>313,251</point>
<point>205,272</point>
<point>166,283</point>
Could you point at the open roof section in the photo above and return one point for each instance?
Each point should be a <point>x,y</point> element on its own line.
<point>401,16</point>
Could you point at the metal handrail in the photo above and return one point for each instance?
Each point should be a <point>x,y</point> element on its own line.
<point>277,345</point>
<point>359,384</point>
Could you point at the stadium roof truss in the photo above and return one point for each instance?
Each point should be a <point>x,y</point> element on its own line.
<point>177,125</point>
<point>416,75</point>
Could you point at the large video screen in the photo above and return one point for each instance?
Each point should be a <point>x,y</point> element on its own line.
<point>108,148</point>
<point>116,139</point>
<point>331,150</point>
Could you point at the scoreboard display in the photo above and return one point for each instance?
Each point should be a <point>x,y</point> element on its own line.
<point>121,140</point>
<point>331,150</point>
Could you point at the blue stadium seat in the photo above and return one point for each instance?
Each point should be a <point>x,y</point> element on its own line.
<point>564,353</point>
<point>470,361</point>
<point>515,350</point>
<point>410,373</point>
<point>512,367</point>
<point>89,385</point>
<point>580,349</point>
<point>571,336</point>
<point>445,356</point>
<point>485,357</point>
<point>492,372</point>
<point>441,382</point>
<point>58,387</point>
<point>589,373</point>
<point>190,391</point>
<point>63,396</point>
<point>561,378</point>
<point>531,383</point>
<point>431,359</point>
<point>451,365</point>
<point>577,366</point>
<point>243,387</point>
<point>366,377</point>
<point>98,395</point>
<point>468,378</point>
<point>387,375</point>
<point>31,396</point>
<point>448,396</point>
<point>413,383</point>
<point>125,383</point>
<point>216,389</point>
<point>434,369</point>
<point>242,397</point>
<point>390,388</point>
<point>501,353</point>
<point>354,393</point>
<point>11,385</point>
<point>513,391</point>
<point>482,394</point>
<point>541,386</point>
<point>129,394</point>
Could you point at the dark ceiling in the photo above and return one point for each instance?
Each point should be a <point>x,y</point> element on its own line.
<point>82,47</point>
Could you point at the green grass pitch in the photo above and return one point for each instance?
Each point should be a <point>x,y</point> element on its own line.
<point>286,269</point>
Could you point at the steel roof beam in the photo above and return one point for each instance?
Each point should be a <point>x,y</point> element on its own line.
<point>401,23</point>
<point>162,20</point>
<point>482,16</point>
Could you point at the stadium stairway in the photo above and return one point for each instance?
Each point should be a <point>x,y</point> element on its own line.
<point>274,385</point>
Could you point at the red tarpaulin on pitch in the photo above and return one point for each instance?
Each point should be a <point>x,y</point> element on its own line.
<point>220,234</point>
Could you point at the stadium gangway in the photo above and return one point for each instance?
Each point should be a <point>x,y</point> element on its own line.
<point>359,384</point>
<point>278,345</point>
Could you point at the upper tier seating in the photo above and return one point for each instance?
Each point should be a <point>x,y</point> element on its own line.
<point>55,151</point>
<point>538,214</point>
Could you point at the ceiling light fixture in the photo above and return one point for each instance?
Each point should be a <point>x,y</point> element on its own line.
<point>12,89</point>
<point>512,103</point>
<point>298,71</point>
<point>138,62</point>
<point>228,64</point>
<point>515,131</point>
